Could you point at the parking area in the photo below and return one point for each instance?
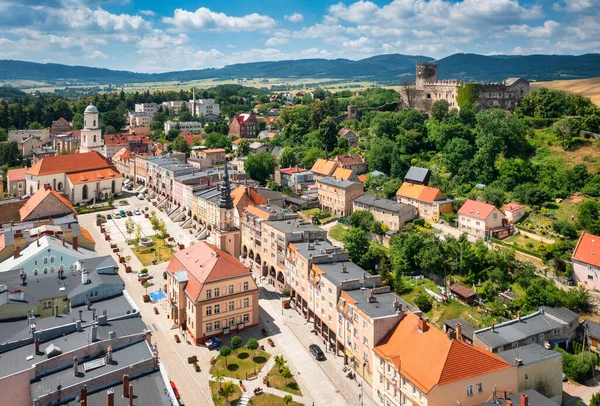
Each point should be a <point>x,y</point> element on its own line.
<point>115,227</point>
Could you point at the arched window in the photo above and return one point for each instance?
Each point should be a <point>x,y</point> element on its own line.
<point>94,126</point>
<point>51,260</point>
<point>94,138</point>
<point>45,260</point>
<point>60,186</point>
<point>84,192</point>
<point>35,271</point>
<point>45,270</point>
<point>51,269</point>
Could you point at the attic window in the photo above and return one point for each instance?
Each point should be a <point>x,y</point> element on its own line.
<point>478,213</point>
<point>471,211</point>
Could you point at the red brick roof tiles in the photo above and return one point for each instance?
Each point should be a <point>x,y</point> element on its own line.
<point>588,249</point>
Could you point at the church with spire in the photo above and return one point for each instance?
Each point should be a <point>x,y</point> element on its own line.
<point>226,235</point>
<point>91,135</point>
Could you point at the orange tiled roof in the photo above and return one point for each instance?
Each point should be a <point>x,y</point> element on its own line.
<point>343,174</point>
<point>428,358</point>
<point>588,249</point>
<point>38,197</point>
<point>205,263</point>
<point>244,196</point>
<point>258,212</point>
<point>214,151</point>
<point>362,178</point>
<point>410,190</point>
<point>69,163</point>
<point>513,207</point>
<point>350,159</point>
<point>324,167</point>
<point>475,209</point>
<point>123,155</point>
<point>430,194</point>
<point>14,175</point>
<point>93,176</point>
<point>86,234</point>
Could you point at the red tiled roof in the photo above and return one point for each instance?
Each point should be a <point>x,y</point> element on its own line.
<point>241,118</point>
<point>93,176</point>
<point>86,234</point>
<point>289,171</point>
<point>38,197</point>
<point>429,194</point>
<point>462,290</point>
<point>15,175</point>
<point>205,263</point>
<point>362,178</point>
<point>214,151</point>
<point>116,139</point>
<point>588,249</point>
<point>479,210</point>
<point>244,196</point>
<point>69,163</point>
<point>513,207</point>
<point>350,159</point>
<point>428,358</point>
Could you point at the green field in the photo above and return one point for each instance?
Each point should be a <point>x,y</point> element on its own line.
<point>159,251</point>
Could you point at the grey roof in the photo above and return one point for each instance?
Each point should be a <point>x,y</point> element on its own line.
<point>91,109</point>
<point>121,358</point>
<point>515,330</point>
<point>306,248</point>
<point>529,354</point>
<point>467,328</point>
<point>291,226</point>
<point>562,313</point>
<point>417,174</point>
<point>276,152</point>
<point>511,81</point>
<point>334,274</point>
<point>181,276</point>
<point>15,360</point>
<point>380,203</point>
<point>593,328</point>
<point>384,307</point>
<point>149,389</point>
<point>105,262</point>
<point>535,399</point>
<point>256,145</point>
<point>343,184</point>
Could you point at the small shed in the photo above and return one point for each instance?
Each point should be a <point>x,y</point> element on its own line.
<point>507,297</point>
<point>514,212</point>
<point>417,176</point>
<point>463,293</point>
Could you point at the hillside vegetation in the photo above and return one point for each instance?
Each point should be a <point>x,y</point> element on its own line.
<point>586,87</point>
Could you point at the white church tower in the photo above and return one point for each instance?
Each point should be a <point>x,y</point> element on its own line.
<point>91,135</point>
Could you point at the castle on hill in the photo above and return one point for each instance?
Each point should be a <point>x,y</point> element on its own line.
<point>428,89</point>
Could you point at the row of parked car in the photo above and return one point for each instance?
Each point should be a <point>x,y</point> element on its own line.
<point>122,214</point>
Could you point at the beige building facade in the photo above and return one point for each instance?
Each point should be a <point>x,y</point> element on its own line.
<point>337,196</point>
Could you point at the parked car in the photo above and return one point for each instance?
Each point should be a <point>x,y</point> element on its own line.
<point>316,351</point>
<point>213,343</point>
<point>116,215</point>
<point>137,212</point>
<point>141,196</point>
<point>144,276</point>
<point>122,213</point>
<point>129,213</point>
<point>109,216</point>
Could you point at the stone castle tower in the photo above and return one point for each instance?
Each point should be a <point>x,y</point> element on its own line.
<point>427,72</point>
<point>91,135</point>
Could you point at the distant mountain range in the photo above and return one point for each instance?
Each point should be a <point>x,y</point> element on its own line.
<point>391,68</point>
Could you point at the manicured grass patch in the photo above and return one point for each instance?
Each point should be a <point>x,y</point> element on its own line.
<point>266,399</point>
<point>519,240</point>
<point>240,363</point>
<point>219,400</point>
<point>159,251</point>
<point>279,382</point>
<point>338,232</point>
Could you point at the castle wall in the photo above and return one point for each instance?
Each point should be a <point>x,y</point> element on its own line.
<point>500,96</point>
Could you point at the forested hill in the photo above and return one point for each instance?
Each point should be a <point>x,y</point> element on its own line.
<point>392,68</point>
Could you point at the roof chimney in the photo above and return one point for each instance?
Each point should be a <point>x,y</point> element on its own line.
<point>458,330</point>
<point>508,402</point>
<point>518,362</point>
<point>75,367</point>
<point>519,315</point>
<point>422,325</point>
<point>125,386</point>
<point>524,400</point>
<point>83,395</point>
<point>17,252</point>
<point>75,243</point>
<point>110,397</point>
<point>131,395</point>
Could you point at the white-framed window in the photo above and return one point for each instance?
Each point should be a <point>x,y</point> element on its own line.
<point>208,327</point>
<point>217,309</point>
<point>217,292</point>
<point>231,289</point>
<point>231,321</point>
<point>245,286</point>
<point>246,302</point>
<point>246,318</point>
<point>469,390</point>
<point>217,325</point>
<point>208,293</point>
<point>231,306</point>
<point>556,332</point>
<point>35,271</point>
<point>45,260</point>
<point>480,387</point>
<point>48,304</point>
<point>208,310</point>
<point>541,337</point>
<point>52,260</point>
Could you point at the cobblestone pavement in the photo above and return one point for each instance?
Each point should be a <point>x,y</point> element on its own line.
<point>322,383</point>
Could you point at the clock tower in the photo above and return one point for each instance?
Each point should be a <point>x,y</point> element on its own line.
<point>227,235</point>
<point>91,135</point>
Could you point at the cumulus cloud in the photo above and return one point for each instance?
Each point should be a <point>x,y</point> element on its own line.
<point>275,41</point>
<point>549,29</point>
<point>295,18</point>
<point>205,19</point>
<point>148,13</point>
<point>576,6</point>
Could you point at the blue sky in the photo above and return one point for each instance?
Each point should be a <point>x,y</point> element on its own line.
<point>159,35</point>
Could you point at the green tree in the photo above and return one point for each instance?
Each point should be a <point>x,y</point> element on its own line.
<point>113,119</point>
<point>280,362</point>
<point>260,167</point>
<point>236,341</point>
<point>227,390</point>
<point>252,345</point>
<point>595,400</point>
<point>129,226</point>
<point>243,148</point>
<point>216,140</point>
<point>361,219</point>
<point>589,216</point>
<point>391,187</point>
<point>439,109</point>
<point>181,145</point>
<point>424,303</point>
<point>3,135</point>
<point>218,376</point>
<point>287,399</point>
<point>286,374</point>
<point>328,132</point>
<point>225,352</point>
<point>288,158</point>
<point>356,243</point>
<point>311,156</point>
<point>566,129</point>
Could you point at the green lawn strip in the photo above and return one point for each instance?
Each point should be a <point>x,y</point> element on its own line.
<point>338,232</point>
<point>147,254</point>
<point>266,399</point>
<point>220,400</point>
<point>240,363</point>
<point>278,382</point>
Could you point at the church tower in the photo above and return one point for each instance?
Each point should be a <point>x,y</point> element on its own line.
<point>91,135</point>
<point>227,236</point>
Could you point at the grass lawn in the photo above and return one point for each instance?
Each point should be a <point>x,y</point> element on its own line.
<point>522,241</point>
<point>147,254</point>
<point>338,232</point>
<point>266,399</point>
<point>278,382</point>
<point>219,400</point>
<point>240,363</point>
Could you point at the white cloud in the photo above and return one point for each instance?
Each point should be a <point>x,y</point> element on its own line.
<point>275,41</point>
<point>159,39</point>
<point>205,19</point>
<point>576,6</point>
<point>95,54</point>
<point>83,18</point>
<point>148,13</point>
<point>549,29</point>
<point>295,18</point>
